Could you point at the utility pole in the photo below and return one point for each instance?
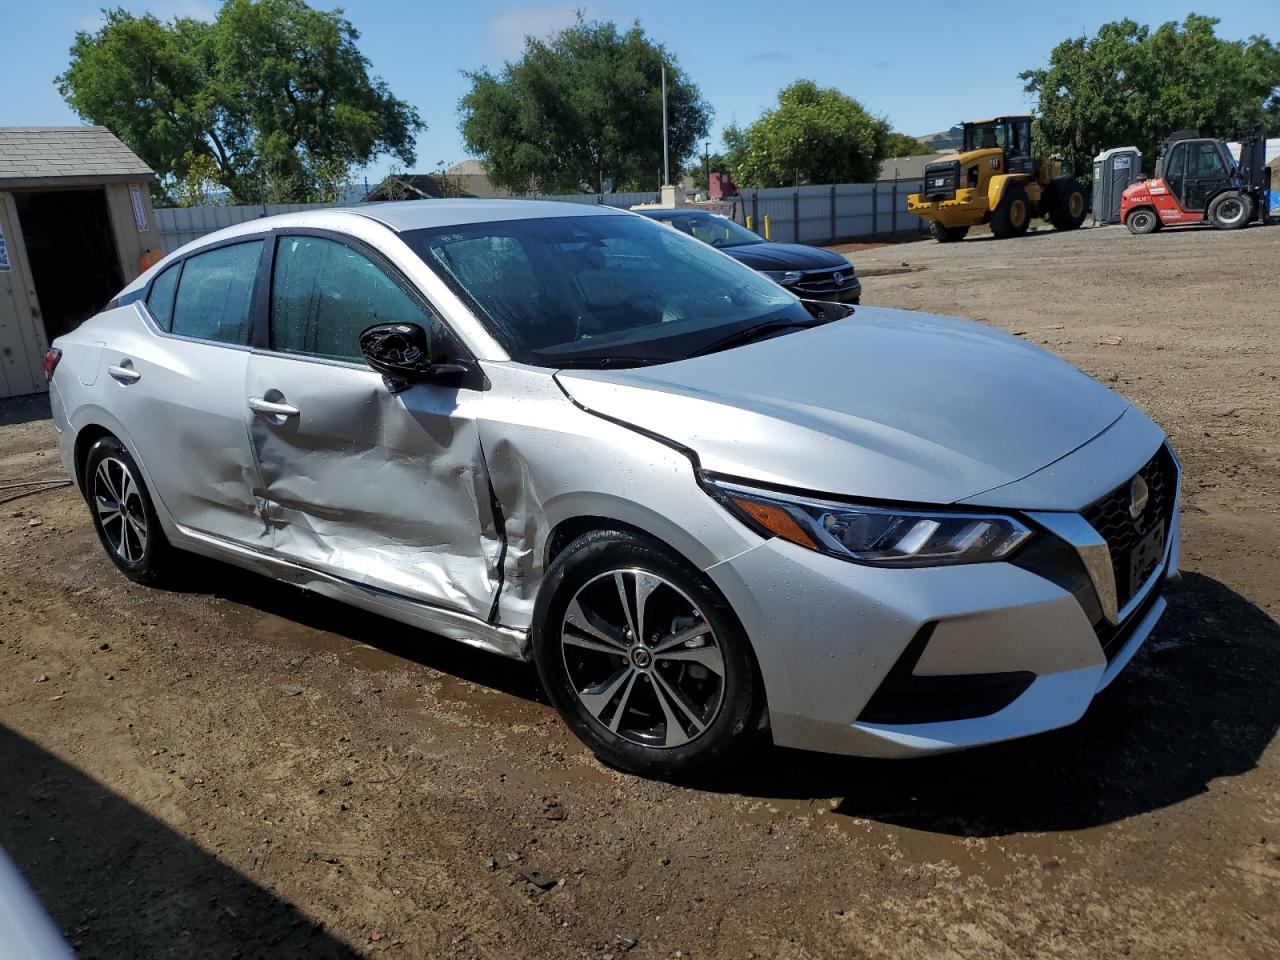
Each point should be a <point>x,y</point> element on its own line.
<point>666,162</point>
<point>706,152</point>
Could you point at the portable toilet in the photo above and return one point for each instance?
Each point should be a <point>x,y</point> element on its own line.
<point>1113,170</point>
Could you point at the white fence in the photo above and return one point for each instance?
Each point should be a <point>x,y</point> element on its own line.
<point>812,214</point>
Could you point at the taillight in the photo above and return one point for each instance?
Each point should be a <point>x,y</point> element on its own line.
<point>51,362</point>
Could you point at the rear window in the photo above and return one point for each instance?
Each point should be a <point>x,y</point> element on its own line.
<point>215,293</point>
<point>160,299</point>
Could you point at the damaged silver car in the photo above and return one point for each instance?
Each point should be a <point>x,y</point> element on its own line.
<point>703,507</point>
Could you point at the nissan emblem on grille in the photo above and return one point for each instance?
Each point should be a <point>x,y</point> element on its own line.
<point>1138,494</point>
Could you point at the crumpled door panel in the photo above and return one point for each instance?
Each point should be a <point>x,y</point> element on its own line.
<point>387,490</point>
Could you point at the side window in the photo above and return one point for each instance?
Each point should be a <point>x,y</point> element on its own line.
<point>1177,160</point>
<point>324,295</point>
<point>215,292</point>
<point>160,299</point>
<point>1209,161</point>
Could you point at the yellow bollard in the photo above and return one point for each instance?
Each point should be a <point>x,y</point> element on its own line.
<point>748,221</point>
<point>766,227</point>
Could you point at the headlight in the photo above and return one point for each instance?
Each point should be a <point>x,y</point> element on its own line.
<point>883,536</point>
<point>785,278</point>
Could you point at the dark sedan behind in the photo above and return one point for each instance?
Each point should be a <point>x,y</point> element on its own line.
<point>809,272</point>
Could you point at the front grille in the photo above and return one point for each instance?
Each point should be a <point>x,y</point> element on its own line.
<point>941,180</point>
<point>1110,517</point>
<point>1114,637</point>
<point>824,281</point>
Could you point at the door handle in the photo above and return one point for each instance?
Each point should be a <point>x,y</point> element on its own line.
<point>123,372</point>
<point>272,409</point>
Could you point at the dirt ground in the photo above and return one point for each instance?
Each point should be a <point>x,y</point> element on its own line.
<point>231,768</point>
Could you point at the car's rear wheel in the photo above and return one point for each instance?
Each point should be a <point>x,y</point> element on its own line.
<point>643,658</point>
<point>123,515</point>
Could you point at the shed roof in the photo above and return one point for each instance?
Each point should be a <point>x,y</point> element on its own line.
<point>66,156</point>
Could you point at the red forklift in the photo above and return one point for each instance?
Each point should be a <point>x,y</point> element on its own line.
<point>1198,181</point>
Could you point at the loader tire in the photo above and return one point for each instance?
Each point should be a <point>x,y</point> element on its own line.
<point>947,234</point>
<point>1013,215</point>
<point>1069,206</point>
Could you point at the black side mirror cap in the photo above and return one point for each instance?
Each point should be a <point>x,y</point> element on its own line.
<point>401,352</point>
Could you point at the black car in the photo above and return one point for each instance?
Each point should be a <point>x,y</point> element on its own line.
<point>809,272</point>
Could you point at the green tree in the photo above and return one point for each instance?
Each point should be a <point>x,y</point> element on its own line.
<point>902,145</point>
<point>580,108</point>
<point>814,135</point>
<point>1131,85</point>
<point>698,168</point>
<point>275,94</point>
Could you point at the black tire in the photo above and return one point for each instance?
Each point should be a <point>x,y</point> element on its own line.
<point>1013,216</point>
<point>1231,210</point>
<point>1068,206</point>
<point>132,538</point>
<point>629,724</point>
<point>947,234</point>
<point>1142,220</point>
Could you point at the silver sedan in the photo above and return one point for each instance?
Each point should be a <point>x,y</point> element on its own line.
<point>707,510</point>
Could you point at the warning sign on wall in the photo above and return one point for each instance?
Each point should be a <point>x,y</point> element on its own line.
<point>139,208</point>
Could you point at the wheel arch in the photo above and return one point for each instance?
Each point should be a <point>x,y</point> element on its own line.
<point>569,529</point>
<point>91,424</point>
<point>1000,183</point>
<point>1137,207</point>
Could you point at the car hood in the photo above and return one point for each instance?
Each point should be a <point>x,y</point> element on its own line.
<point>786,256</point>
<point>886,404</point>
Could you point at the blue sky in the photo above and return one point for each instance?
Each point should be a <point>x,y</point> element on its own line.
<point>923,64</point>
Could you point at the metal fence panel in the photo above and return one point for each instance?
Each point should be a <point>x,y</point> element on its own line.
<point>814,213</point>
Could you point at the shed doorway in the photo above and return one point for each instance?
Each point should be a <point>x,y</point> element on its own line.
<point>71,252</point>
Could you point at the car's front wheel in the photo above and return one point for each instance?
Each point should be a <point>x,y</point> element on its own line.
<point>123,515</point>
<point>643,658</point>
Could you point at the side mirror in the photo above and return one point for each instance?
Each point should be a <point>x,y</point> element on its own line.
<point>401,352</point>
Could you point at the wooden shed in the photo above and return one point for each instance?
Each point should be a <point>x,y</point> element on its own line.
<point>75,221</point>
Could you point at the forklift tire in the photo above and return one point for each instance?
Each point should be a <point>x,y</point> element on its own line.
<point>1142,220</point>
<point>947,234</point>
<point>1013,215</point>
<point>1231,210</point>
<point>1069,207</point>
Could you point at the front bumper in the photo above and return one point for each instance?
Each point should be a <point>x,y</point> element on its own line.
<point>831,637</point>
<point>968,208</point>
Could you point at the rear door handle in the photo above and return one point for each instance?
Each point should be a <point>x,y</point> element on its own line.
<point>123,372</point>
<point>272,409</point>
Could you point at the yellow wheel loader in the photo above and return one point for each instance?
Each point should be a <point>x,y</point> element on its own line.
<point>994,179</point>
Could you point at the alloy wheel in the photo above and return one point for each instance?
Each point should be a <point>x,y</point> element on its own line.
<point>643,659</point>
<point>117,502</point>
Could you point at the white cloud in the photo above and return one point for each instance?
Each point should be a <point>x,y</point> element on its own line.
<point>509,28</point>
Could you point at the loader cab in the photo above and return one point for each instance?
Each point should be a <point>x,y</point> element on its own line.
<point>1195,169</point>
<point>1009,134</point>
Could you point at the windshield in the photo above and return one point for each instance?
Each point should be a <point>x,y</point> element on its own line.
<point>564,290</point>
<point>984,136</point>
<point>711,228</point>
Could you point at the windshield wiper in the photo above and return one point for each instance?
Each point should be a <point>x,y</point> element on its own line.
<point>749,334</point>
<point>604,363</point>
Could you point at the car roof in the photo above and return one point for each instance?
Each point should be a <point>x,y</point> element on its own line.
<point>404,215</point>
<point>398,216</point>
